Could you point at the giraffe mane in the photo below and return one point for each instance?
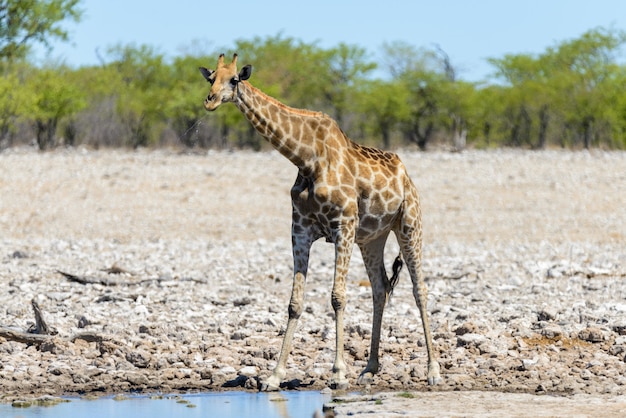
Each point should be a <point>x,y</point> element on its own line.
<point>278,103</point>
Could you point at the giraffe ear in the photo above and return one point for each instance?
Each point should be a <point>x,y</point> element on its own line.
<point>245,72</point>
<point>206,73</point>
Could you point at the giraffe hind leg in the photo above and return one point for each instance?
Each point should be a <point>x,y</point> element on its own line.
<point>410,244</point>
<point>374,265</point>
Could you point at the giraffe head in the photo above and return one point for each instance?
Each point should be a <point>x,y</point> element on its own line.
<point>224,81</point>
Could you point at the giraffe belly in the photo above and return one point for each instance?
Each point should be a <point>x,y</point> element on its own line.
<point>371,227</point>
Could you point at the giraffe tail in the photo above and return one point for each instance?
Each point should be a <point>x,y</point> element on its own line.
<point>397,266</point>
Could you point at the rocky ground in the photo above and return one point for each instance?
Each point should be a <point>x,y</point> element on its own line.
<point>163,271</point>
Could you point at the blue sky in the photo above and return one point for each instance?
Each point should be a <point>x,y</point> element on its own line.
<point>468,31</point>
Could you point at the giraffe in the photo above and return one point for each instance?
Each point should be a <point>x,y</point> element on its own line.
<point>345,193</point>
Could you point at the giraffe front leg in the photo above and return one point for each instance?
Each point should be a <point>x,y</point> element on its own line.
<point>343,251</point>
<point>339,380</point>
<point>295,310</point>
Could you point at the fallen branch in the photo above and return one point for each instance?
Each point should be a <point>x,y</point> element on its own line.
<point>87,280</point>
<point>24,337</point>
<point>453,276</point>
<point>116,282</point>
<point>38,339</point>
<point>115,269</point>
<point>40,327</point>
<point>90,337</point>
<point>45,336</point>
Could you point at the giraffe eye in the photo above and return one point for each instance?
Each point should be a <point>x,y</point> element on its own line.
<point>234,81</point>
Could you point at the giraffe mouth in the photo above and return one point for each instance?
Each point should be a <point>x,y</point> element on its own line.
<point>210,104</point>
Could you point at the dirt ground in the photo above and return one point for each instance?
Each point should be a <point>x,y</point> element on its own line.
<point>186,267</point>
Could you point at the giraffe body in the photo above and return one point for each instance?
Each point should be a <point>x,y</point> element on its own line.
<point>345,193</point>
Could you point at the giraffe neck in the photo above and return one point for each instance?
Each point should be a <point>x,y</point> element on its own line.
<point>293,132</point>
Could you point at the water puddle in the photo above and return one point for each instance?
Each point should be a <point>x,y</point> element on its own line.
<point>221,404</point>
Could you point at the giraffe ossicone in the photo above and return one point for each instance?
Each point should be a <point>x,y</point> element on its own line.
<point>345,193</point>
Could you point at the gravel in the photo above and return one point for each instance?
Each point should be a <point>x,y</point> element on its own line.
<point>189,261</point>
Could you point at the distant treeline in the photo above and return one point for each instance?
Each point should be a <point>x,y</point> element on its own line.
<point>572,95</point>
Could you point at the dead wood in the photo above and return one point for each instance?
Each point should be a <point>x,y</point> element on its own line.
<point>40,327</point>
<point>457,275</point>
<point>24,337</point>
<point>87,280</point>
<point>90,337</point>
<point>117,282</point>
<point>115,269</point>
<point>43,335</point>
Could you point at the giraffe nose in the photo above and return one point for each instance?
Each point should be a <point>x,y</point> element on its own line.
<point>210,103</point>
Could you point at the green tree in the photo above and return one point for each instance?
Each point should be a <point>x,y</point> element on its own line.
<point>99,124</point>
<point>383,105</point>
<point>569,90</point>
<point>346,66</point>
<point>142,82</point>
<point>439,104</point>
<point>283,67</point>
<point>184,105</point>
<point>24,22</point>
<point>529,104</point>
<point>15,100</point>
<point>54,99</point>
<point>586,73</point>
<point>489,102</point>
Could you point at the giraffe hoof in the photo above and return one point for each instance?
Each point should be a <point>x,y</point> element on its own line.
<point>366,378</point>
<point>342,385</point>
<point>432,381</point>
<point>434,377</point>
<point>270,385</point>
<point>266,387</point>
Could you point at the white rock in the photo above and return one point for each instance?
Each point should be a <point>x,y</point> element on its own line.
<point>248,371</point>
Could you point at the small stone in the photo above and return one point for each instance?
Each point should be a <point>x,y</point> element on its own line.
<point>168,374</point>
<point>136,378</point>
<point>591,334</point>
<point>620,329</point>
<point>552,331</point>
<point>466,328</point>
<point>83,322</point>
<point>228,370</point>
<point>487,347</point>
<point>470,340</point>
<point>206,374</point>
<point>242,302</point>
<point>528,364</point>
<point>22,403</point>
<point>80,378</point>
<point>58,369</point>
<point>248,371</point>
<point>139,358</point>
<point>141,310</point>
<point>547,314</point>
<point>184,373</point>
<point>240,335</point>
<point>144,329</point>
<point>554,273</point>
